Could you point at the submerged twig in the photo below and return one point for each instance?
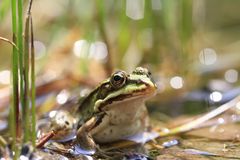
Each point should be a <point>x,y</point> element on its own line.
<point>205,153</point>
<point>197,122</point>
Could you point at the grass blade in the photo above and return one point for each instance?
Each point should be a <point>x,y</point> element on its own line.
<point>26,80</point>
<point>33,92</point>
<point>32,75</point>
<point>14,111</point>
<point>20,58</point>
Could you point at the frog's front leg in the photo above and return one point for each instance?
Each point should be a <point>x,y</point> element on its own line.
<point>84,137</point>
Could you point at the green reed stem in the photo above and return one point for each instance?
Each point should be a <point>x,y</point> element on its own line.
<point>30,38</point>
<point>33,92</point>
<point>20,61</point>
<point>26,80</point>
<point>14,111</point>
<point>20,58</point>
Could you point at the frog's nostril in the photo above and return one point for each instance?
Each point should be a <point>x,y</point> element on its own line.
<point>139,81</point>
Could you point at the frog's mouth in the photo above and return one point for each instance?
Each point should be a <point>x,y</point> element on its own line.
<point>145,91</point>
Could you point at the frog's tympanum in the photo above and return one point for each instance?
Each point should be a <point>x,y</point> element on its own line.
<point>115,109</point>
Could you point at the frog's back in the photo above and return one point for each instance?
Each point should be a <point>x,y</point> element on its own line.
<point>86,106</point>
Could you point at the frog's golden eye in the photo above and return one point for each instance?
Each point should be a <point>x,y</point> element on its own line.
<point>118,79</point>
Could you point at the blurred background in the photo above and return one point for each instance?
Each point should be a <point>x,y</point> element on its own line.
<point>191,47</point>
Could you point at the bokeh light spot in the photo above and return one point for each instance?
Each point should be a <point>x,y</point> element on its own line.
<point>135,9</point>
<point>156,4</point>
<point>5,77</point>
<point>98,51</point>
<point>62,97</point>
<point>231,75</point>
<point>176,82</point>
<point>238,105</point>
<point>80,48</point>
<point>216,96</point>
<point>40,49</point>
<point>208,56</point>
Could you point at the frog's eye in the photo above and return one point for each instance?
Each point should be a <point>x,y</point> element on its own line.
<point>118,79</point>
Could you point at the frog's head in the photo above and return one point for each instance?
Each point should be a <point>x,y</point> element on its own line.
<point>121,87</point>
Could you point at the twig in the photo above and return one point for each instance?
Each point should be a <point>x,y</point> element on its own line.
<point>9,41</point>
<point>44,139</point>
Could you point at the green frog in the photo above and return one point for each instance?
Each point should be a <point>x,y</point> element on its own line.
<point>115,109</point>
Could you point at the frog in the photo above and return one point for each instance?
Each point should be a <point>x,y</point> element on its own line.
<point>115,109</point>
